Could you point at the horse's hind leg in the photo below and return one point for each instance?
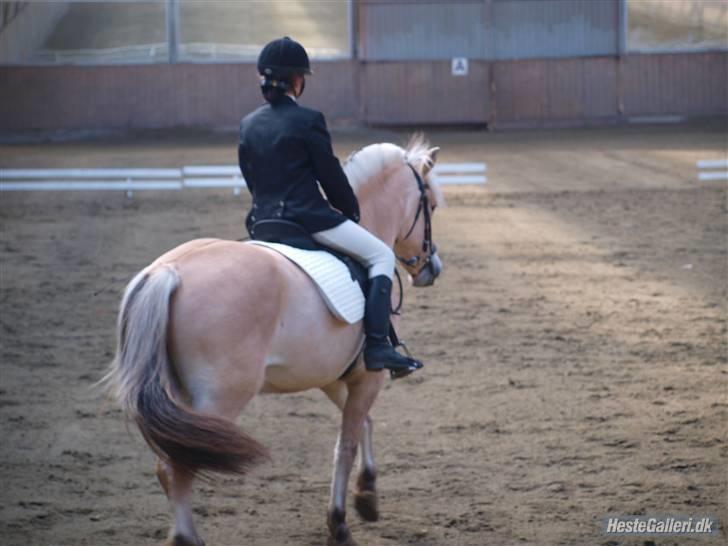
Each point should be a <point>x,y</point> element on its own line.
<point>225,402</point>
<point>365,495</point>
<point>178,488</point>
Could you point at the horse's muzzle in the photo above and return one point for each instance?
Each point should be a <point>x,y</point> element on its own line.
<point>428,274</point>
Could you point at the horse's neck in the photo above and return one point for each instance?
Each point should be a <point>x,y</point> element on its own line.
<point>381,209</point>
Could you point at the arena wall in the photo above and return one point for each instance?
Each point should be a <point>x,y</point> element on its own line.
<point>153,96</point>
<point>503,94</point>
<point>608,89</point>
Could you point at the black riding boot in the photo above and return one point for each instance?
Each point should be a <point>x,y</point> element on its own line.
<point>378,351</point>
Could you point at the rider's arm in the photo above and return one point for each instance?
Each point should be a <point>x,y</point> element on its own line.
<point>329,172</point>
<point>241,161</point>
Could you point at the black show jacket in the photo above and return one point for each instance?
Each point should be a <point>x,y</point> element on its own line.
<point>284,150</point>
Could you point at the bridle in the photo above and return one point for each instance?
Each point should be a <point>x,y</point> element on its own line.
<point>428,246</point>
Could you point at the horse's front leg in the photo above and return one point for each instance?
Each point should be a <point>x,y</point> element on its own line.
<point>363,391</point>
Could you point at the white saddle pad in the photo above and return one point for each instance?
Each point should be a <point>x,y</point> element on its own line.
<point>341,293</point>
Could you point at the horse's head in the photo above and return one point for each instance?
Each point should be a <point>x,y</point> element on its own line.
<point>414,245</point>
<point>397,200</point>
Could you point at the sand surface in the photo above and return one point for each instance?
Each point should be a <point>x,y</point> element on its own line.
<point>575,345</point>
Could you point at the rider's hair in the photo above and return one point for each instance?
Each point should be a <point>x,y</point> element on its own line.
<point>273,94</point>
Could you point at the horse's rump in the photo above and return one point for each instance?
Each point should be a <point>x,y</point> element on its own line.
<point>143,380</point>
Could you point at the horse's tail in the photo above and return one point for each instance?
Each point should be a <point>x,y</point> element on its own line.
<point>142,380</point>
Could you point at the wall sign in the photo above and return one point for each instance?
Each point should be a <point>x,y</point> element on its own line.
<point>459,66</point>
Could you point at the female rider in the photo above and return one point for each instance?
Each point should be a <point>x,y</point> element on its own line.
<point>284,154</point>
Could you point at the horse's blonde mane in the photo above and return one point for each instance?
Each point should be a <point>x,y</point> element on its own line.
<point>362,166</point>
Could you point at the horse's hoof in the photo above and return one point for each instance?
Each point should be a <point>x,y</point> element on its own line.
<point>348,541</point>
<point>367,505</point>
<point>339,535</point>
<point>179,540</point>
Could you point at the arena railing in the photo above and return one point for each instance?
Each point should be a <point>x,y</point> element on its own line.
<point>224,176</point>
<point>195,176</point>
<point>128,180</point>
<point>704,172</point>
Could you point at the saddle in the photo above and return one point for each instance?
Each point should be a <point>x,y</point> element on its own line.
<point>292,234</point>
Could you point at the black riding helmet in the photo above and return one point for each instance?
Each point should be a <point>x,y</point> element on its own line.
<point>279,61</point>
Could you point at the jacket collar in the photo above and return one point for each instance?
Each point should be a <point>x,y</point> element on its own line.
<point>287,99</point>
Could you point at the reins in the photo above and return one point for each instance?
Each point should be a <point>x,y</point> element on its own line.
<point>398,308</point>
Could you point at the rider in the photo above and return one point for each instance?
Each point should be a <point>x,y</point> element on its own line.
<point>284,150</point>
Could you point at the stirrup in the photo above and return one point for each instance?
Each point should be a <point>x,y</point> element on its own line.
<point>414,366</point>
<point>399,374</point>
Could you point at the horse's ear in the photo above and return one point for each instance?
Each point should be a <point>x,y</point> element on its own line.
<point>432,154</point>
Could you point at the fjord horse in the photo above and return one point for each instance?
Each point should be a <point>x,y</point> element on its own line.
<point>212,323</point>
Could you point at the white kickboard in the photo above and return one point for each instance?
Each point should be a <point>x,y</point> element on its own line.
<point>340,292</point>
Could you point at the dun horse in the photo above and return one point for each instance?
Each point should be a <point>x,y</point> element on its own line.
<point>212,323</point>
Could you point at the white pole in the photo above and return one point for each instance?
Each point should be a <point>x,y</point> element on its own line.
<point>172,16</point>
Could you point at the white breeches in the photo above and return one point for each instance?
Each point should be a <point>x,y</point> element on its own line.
<point>355,241</point>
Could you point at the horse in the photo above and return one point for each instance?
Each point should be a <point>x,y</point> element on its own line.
<point>212,323</point>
